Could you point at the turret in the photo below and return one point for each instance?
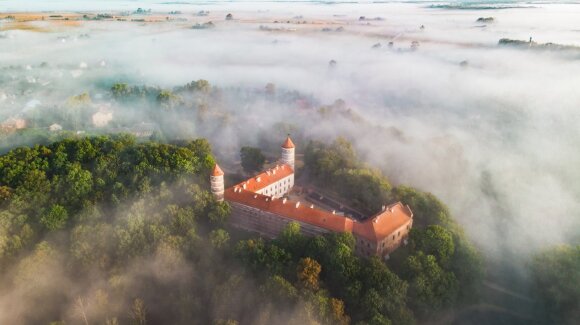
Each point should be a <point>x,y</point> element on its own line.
<point>288,153</point>
<point>217,183</point>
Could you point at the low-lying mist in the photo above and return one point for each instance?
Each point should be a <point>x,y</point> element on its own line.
<point>493,131</point>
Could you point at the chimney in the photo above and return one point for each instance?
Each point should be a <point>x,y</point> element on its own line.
<point>244,186</point>
<point>284,201</point>
<point>297,204</point>
<point>333,211</point>
<point>258,179</point>
<point>255,196</point>
<point>312,206</point>
<point>384,207</point>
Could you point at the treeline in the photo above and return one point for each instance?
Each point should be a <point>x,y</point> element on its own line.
<point>441,266</point>
<point>108,230</point>
<point>52,187</point>
<point>111,231</point>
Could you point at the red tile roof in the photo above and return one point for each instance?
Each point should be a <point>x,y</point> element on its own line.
<point>217,171</point>
<point>384,223</point>
<point>266,178</point>
<point>288,144</point>
<point>374,229</point>
<point>290,209</point>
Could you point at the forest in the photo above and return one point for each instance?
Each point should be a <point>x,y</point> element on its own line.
<point>131,231</point>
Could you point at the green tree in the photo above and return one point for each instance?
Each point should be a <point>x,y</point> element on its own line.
<point>219,213</point>
<point>55,218</point>
<point>219,238</point>
<point>260,256</point>
<point>291,239</point>
<point>252,159</point>
<point>167,99</point>
<point>92,245</point>
<point>120,90</point>
<point>75,185</point>
<point>431,287</point>
<point>280,289</point>
<point>201,85</point>
<point>556,275</point>
<point>377,307</point>
<point>434,240</point>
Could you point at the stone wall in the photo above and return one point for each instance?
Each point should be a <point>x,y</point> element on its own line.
<point>267,224</point>
<point>382,248</point>
<point>271,225</point>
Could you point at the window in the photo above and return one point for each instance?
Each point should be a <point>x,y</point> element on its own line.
<point>399,234</point>
<point>393,237</point>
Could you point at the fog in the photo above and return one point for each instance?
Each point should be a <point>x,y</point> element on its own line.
<point>496,138</point>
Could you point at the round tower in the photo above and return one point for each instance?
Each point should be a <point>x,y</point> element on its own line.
<point>288,153</point>
<point>217,183</point>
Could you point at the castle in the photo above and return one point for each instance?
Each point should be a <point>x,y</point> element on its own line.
<point>261,204</point>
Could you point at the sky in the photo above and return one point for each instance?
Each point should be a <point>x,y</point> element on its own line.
<point>75,5</point>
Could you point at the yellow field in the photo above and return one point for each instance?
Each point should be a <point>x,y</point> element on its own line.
<point>30,21</point>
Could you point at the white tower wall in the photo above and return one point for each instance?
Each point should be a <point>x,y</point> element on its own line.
<point>288,157</point>
<point>217,187</point>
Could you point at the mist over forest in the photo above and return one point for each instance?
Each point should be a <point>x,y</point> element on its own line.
<point>425,92</point>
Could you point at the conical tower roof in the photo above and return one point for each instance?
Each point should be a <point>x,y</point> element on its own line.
<point>217,171</point>
<point>288,144</point>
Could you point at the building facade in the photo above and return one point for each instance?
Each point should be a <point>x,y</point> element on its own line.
<point>260,204</point>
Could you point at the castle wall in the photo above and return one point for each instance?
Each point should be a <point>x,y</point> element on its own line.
<point>385,246</point>
<point>271,225</point>
<point>267,224</point>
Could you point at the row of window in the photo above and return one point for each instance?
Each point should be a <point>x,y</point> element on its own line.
<point>276,190</point>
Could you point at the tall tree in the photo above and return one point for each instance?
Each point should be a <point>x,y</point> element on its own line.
<point>252,159</point>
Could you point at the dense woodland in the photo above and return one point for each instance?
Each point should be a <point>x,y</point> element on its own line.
<point>109,230</point>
